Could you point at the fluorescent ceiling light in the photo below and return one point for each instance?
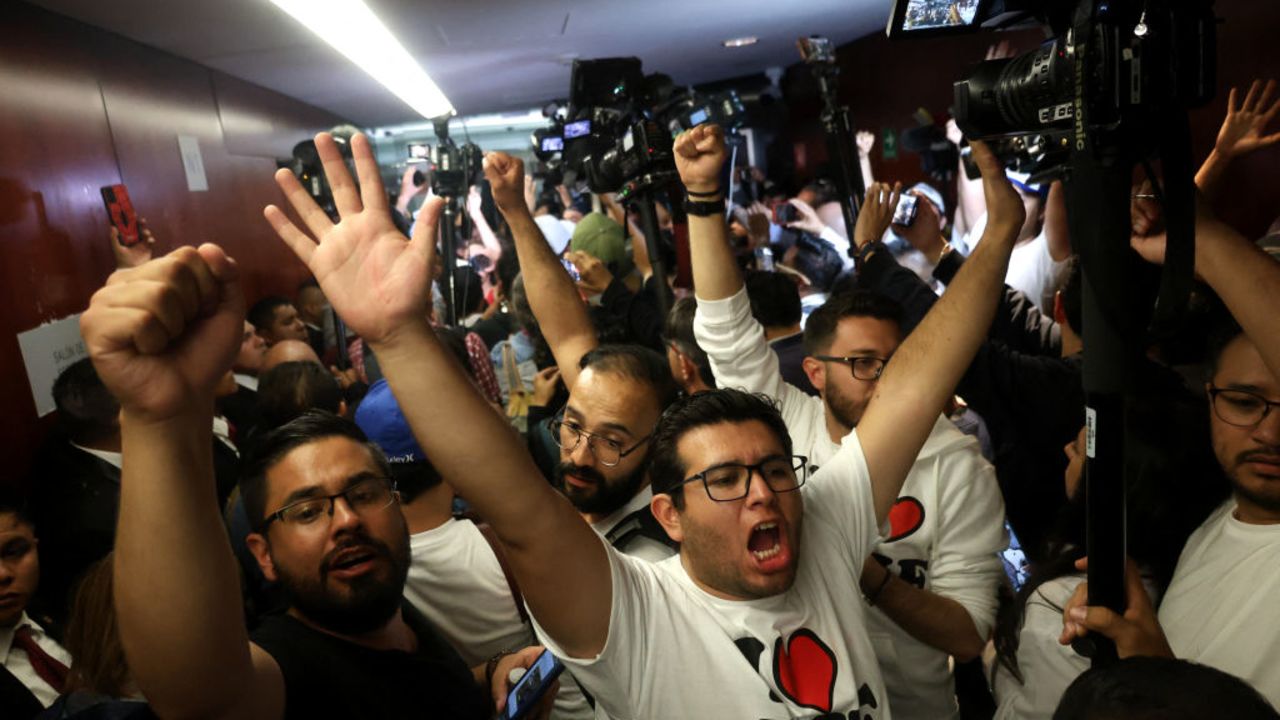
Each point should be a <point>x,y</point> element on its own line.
<point>353,30</point>
<point>741,41</point>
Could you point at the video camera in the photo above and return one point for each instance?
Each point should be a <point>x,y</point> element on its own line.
<point>454,169</point>
<point>619,126</point>
<point>1141,61</point>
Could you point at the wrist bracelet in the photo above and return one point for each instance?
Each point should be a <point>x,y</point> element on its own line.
<point>699,208</point>
<point>871,599</point>
<point>491,666</point>
<point>691,193</point>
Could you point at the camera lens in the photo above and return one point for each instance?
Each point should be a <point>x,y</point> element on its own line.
<point>1028,92</point>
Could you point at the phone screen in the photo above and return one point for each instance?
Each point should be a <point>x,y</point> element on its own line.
<point>552,144</point>
<point>121,213</point>
<point>577,129</point>
<point>535,683</point>
<point>905,214</point>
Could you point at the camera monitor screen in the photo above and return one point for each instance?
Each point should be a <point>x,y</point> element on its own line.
<point>938,17</point>
<point>697,117</point>
<point>419,151</point>
<point>552,144</point>
<point>578,129</point>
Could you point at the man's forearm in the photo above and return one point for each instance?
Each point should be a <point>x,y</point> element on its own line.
<point>561,316</point>
<point>715,272</point>
<point>1248,281</point>
<point>176,583</point>
<point>927,367</point>
<point>1209,176</point>
<point>930,618</point>
<point>560,563</point>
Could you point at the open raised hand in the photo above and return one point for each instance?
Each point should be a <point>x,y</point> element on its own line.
<point>162,335</point>
<point>1243,128</point>
<point>878,206</point>
<point>375,277</point>
<point>700,153</point>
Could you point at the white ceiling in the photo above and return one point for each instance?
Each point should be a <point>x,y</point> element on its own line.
<point>487,55</point>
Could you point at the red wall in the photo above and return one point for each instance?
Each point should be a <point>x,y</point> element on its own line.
<point>884,83</point>
<point>81,108</point>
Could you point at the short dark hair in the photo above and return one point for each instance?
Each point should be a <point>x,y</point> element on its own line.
<point>725,405</point>
<point>775,298</point>
<point>1152,688</point>
<point>1072,292</point>
<point>272,447</point>
<point>822,323</point>
<point>12,502</point>
<point>679,331</point>
<point>87,411</point>
<point>638,363</point>
<point>263,312</point>
<point>292,388</point>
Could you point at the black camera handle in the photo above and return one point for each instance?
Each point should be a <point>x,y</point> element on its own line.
<point>1117,304</point>
<point>643,192</point>
<point>844,160</point>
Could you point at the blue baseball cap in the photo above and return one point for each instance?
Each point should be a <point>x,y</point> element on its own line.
<point>380,418</point>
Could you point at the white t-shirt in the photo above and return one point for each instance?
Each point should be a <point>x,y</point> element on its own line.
<point>1047,666</point>
<point>1032,269</point>
<point>16,661</point>
<point>949,517</point>
<point>674,651</point>
<point>457,583</point>
<point>1222,608</point>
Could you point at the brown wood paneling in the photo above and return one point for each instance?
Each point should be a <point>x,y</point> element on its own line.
<point>81,108</point>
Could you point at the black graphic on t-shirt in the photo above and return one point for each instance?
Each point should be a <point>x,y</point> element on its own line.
<point>752,649</point>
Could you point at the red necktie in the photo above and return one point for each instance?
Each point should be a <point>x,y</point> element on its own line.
<point>46,666</point>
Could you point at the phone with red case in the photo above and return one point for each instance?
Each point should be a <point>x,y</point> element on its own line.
<point>120,211</point>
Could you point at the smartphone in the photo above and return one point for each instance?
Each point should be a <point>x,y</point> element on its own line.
<point>785,213</point>
<point>527,693</point>
<point>571,269</point>
<point>905,214</point>
<point>120,212</point>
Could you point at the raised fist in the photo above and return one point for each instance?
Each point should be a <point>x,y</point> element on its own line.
<point>162,335</point>
<point>506,177</point>
<point>700,153</point>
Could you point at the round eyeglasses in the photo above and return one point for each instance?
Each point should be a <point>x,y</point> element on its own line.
<point>1240,408</point>
<point>609,452</point>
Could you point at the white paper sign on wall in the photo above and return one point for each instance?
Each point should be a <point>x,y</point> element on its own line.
<point>193,163</point>
<point>47,351</point>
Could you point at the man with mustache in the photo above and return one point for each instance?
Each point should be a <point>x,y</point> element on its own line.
<point>1220,608</point>
<point>616,392</point>
<point>327,527</point>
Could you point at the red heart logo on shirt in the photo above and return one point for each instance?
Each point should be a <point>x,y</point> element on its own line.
<point>805,670</point>
<point>906,517</point>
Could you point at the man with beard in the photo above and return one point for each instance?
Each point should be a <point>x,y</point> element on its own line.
<point>616,392</point>
<point>327,528</point>
<point>743,622</point>
<point>931,583</point>
<point>1220,608</point>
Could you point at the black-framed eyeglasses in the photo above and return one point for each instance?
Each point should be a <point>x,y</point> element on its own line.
<point>609,452</point>
<point>1240,408</point>
<point>864,367</point>
<point>727,482</point>
<point>366,496</point>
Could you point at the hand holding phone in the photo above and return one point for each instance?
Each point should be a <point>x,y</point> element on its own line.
<point>529,691</point>
<point>121,214</point>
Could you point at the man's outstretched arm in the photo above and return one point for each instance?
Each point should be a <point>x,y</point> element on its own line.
<point>161,335</point>
<point>562,317</point>
<point>923,373</point>
<point>377,280</point>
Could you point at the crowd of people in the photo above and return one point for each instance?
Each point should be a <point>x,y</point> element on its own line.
<point>788,485</point>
